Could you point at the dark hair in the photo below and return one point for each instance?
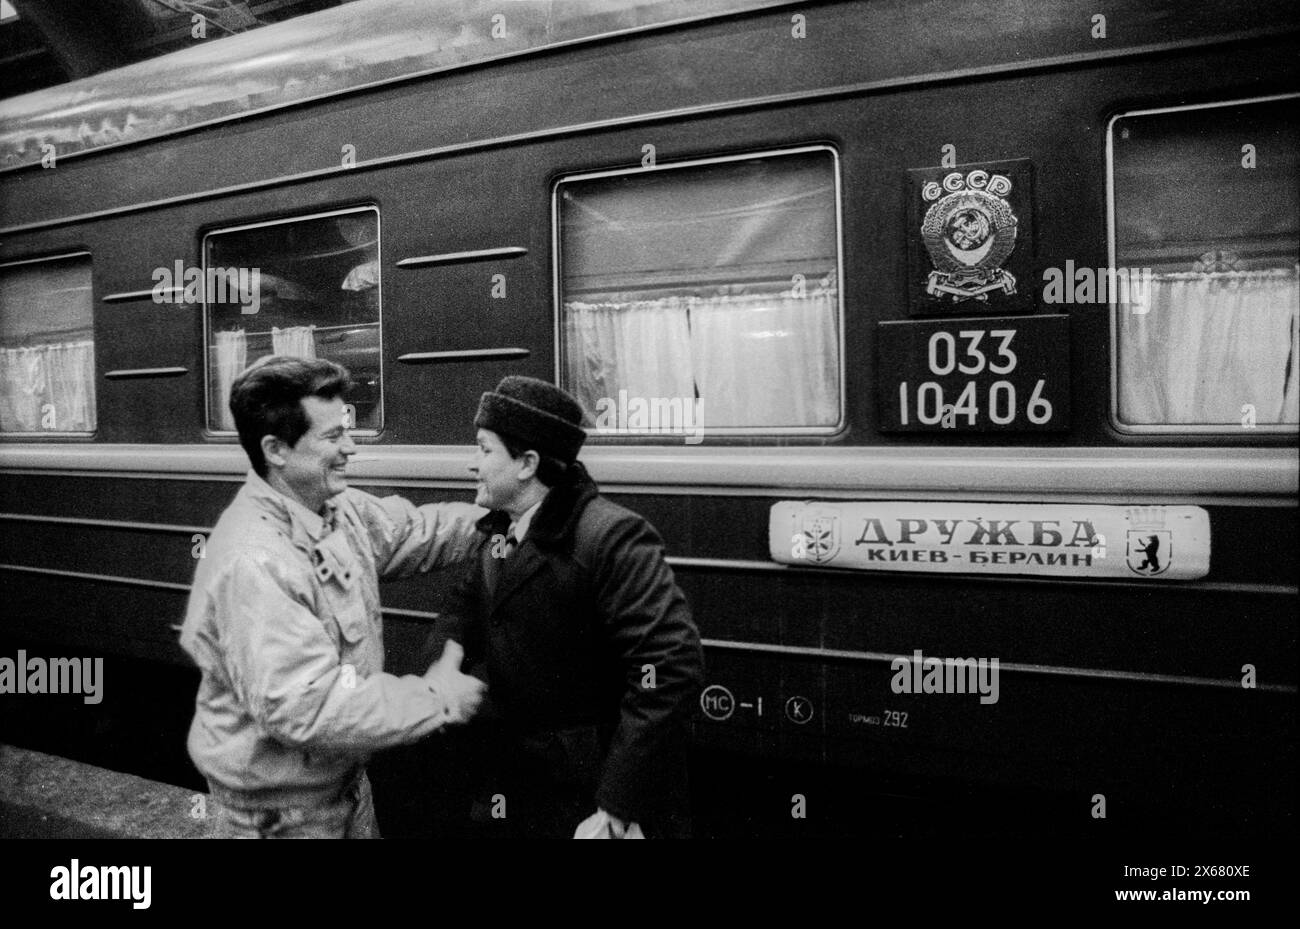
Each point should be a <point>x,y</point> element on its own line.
<point>266,399</point>
<point>550,471</point>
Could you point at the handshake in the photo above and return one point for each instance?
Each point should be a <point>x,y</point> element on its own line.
<point>461,694</point>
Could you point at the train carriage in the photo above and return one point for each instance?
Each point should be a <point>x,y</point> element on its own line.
<point>958,505</point>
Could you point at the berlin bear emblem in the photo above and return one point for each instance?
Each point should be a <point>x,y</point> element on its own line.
<point>1149,551</point>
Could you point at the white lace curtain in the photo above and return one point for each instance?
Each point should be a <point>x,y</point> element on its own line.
<point>756,360</point>
<point>296,341</point>
<point>1209,345</point>
<point>48,388</point>
<point>231,357</point>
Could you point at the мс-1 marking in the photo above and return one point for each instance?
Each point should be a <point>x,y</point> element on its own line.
<point>1065,540</point>
<point>999,374</point>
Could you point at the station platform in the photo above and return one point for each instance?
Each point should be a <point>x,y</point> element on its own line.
<point>47,797</point>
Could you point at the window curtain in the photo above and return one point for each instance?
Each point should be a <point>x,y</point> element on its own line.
<point>24,383</point>
<point>642,347</point>
<point>1210,344</point>
<point>70,384</point>
<point>48,388</point>
<point>754,360</point>
<point>232,357</point>
<point>232,354</point>
<point>766,360</point>
<point>295,341</point>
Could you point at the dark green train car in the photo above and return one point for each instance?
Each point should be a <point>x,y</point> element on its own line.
<point>951,348</point>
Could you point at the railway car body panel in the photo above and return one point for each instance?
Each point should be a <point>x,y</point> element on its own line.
<point>771,149</point>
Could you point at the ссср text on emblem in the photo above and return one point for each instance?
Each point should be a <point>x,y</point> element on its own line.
<point>969,231</point>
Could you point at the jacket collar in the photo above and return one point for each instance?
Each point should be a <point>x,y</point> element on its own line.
<point>521,526</point>
<point>556,517</point>
<point>553,524</point>
<point>300,523</point>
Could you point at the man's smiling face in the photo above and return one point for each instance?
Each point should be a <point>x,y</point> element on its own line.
<point>315,468</point>
<point>496,472</point>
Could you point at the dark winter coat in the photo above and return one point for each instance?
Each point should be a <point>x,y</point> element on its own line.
<point>593,665</point>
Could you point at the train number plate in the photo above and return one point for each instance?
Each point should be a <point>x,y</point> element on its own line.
<point>999,374</point>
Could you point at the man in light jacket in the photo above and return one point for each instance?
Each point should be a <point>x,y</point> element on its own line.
<point>284,622</point>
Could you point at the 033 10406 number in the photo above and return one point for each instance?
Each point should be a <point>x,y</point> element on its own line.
<point>933,408</point>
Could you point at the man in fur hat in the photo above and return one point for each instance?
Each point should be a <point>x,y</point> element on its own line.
<point>572,616</point>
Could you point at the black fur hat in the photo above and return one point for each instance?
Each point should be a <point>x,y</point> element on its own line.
<point>536,413</point>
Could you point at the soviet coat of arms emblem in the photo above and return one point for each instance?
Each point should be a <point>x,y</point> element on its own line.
<point>969,231</point>
<point>972,245</point>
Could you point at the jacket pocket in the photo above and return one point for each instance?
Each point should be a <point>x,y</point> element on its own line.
<point>353,622</point>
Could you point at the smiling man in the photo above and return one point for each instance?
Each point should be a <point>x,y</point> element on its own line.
<point>572,615</point>
<point>284,623</point>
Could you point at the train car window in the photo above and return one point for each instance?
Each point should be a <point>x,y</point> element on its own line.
<point>47,347</point>
<point>710,288</point>
<point>307,287</point>
<point>1206,229</point>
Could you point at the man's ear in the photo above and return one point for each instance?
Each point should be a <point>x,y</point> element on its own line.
<point>528,462</point>
<point>274,450</point>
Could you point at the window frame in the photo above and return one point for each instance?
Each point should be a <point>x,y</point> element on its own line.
<point>49,435</point>
<point>1183,429</point>
<point>211,433</point>
<point>558,297</point>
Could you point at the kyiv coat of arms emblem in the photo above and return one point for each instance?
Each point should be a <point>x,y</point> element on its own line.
<point>821,529</point>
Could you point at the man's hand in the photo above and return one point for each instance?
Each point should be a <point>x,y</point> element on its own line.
<point>461,694</point>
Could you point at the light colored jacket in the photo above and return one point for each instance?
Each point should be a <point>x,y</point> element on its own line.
<point>284,623</point>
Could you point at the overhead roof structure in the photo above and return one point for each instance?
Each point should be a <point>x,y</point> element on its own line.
<point>48,42</point>
<point>250,68</point>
